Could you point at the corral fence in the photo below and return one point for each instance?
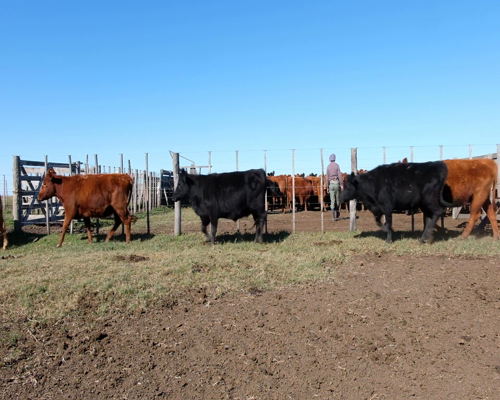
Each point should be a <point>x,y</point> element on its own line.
<point>353,207</point>
<point>152,189</point>
<point>28,175</point>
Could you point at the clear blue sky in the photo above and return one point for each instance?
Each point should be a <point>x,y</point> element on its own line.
<point>111,77</point>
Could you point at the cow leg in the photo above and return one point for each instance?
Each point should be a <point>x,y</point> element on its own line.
<point>67,221</point>
<point>110,234</point>
<point>388,226</point>
<point>213,232</point>
<point>430,222</point>
<point>86,221</point>
<point>379,223</point>
<point>492,216</point>
<point>475,211</point>
<point>204,223</point>
<point>121,216</point>
<point>259,221</point>
<point>4,236</point>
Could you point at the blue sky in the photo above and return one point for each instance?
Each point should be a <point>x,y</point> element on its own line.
<point>192,76</point>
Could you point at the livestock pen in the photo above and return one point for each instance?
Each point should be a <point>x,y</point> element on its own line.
<point>152,190</point>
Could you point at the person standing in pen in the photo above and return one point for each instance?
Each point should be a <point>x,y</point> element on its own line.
<point>334,186</point>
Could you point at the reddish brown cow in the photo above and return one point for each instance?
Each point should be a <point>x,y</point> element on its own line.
<point>316,188</point>
<point>303,190</point>
<point>281,180</point>
<point>3,231</point>
<point>472,181</point>
<point>90,196</point>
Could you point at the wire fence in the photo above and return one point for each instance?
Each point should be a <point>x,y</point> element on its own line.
<point>307,163</point>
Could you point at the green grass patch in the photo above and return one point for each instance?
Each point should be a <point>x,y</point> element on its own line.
<point>39,281</point>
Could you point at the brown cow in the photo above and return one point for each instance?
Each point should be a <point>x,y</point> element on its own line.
<point>303,190</point>
<point>277,196</point>
<point>472,181</point>
<point>3,231</point>
<point>316,187</point>
<point>90,196</point>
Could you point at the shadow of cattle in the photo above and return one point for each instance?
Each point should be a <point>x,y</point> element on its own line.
<point>440,234</point>
<point>118,237</point>
<point>22,238</point>
<point>273,237</point>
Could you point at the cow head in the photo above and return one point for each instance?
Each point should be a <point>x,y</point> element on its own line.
<point>49,183</point>
<point>350,190</point>
<point>183,187</point>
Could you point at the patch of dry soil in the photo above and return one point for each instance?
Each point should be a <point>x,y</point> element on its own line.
<point>389,328</point>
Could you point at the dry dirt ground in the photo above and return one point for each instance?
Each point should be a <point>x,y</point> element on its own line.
<point>389,327</point>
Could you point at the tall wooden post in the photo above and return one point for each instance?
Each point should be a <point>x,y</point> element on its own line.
<point>441,152</point>
<point>135,189</point>
<point>352,203</point>
<point>47,207</point>
<point>265,171</point>
<point>146,187</point>
<point>238,221</point>
<point>177,206</point>
<point>71,226</point>
<point>209,162</point>
<point>96,171</point>
<point>16,194</point>
<point>384,156</point>
<point>470,151</point>
<point>293,191</point>
<point>411,153</point>
<point>121,163</point>
<point>321,197</point>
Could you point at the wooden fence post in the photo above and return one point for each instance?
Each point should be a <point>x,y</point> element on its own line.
<point>384,157</point>
<point>177,206</point>
<point>293,191</point>
<point>96,172</point>
<point>352,203</point>
<point>321,186</point>
<point>411,153</point>
<point>135,189</point>
<point>146,187</point>
<point>71,227</point>
<point>497,194</point>
<point>47,207</point>
<point>209,162</point>
<point>238,221</point>
<point>265,171</point>
<point>16,194</point>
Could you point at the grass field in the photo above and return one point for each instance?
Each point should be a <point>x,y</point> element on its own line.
<point>38,280</point>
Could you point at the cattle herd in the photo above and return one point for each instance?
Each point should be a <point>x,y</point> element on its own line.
<point>428,186</point>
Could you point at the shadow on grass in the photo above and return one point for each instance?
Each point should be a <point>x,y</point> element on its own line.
<point>440,234</point>
<point>118,237</point>
<point>273,237</point>
<point>22,238</point>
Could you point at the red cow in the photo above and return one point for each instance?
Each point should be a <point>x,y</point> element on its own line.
<point>472,181</point>
<point>3,231</point>
<point>303,190</point>
<point>87,196</point>
<point>316,187</point>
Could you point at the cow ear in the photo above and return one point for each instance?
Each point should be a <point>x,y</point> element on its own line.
<point>51,172</point>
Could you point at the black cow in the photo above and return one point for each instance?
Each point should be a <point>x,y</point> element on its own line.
<point>400,187</point>
<point>228,195</point>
